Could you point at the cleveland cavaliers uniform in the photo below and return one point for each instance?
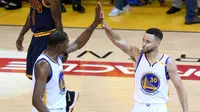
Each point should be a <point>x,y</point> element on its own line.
<point>42,24</point>
<point>55,91</point>
<point>151,85</point>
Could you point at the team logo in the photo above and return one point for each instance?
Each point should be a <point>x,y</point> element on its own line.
<point>150,83</point>
<point>62,82</point>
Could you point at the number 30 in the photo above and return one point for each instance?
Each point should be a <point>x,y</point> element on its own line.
<point>154,80</point>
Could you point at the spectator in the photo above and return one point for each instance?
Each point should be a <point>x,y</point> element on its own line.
<point>121,5</point>
<point>11,4</point>
<point>76,5</point>
<point>176,6</point>
<point>198,4</point>
<point>191,17</point>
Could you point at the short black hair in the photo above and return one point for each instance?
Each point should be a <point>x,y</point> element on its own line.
<point>156,32</point>
<point>57,37</point>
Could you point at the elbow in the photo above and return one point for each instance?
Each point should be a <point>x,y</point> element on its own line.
<point>79,46</point>
<point>116,43</point>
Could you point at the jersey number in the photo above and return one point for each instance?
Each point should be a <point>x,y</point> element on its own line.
<point>154,80</point>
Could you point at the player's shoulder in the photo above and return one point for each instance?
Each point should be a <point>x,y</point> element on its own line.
<point>165,57</point>
<point>42,63</point>
<point>171,64</point>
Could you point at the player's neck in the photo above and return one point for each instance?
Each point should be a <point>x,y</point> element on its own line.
<point>53,54</point>
<point>154,55</point>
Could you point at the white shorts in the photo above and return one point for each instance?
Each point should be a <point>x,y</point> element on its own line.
<point>142,107</point>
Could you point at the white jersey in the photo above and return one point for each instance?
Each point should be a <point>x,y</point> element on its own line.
<point>55,91</point>
<point>151,81</point>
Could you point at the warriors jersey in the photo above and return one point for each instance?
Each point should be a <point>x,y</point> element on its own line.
<point>151,80</point>
<point>55,91</point>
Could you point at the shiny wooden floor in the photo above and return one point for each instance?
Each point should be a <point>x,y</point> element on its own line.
<point>98,93</point>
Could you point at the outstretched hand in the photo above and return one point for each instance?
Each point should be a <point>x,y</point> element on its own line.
<point>98,15</point>
<point>103,24</point>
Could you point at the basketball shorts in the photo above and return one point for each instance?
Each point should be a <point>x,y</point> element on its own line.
<point>53,110</point>
<point>36,47</point>
<point>138,107</point>
<point>71,98</point>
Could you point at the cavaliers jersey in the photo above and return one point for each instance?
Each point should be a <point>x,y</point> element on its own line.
<point>41,18</point>
<point>151,80</point>
<point>55,91</point>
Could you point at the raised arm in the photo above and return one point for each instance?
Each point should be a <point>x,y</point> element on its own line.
<point>24,30</point>
<point>85,36</point>
<point>56,13</point>
<point>42,70</point>
<point>176,80</point>
<point>132,51</point>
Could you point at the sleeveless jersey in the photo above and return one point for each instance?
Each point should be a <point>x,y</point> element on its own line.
<point>55,91</point>
<point>41,17</point>
<point>151,81</point>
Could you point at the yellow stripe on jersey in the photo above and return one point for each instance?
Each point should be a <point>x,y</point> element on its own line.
<point>45,5</point>
<point>161,63</point>
<point>29,76</point>
<point>40,34</point>
<point>45,97</point>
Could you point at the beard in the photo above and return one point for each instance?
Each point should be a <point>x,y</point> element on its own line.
<point>148,51</point>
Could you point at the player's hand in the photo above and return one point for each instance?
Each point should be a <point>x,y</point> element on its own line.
<point>19,43</point>
<point>103,24</point>
<point>98,15</point>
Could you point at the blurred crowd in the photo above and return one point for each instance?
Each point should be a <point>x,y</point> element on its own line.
<point>191,16</point>
<point>16,4</point>
<point>192,8</point>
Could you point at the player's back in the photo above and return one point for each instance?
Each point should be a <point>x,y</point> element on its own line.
<point>151,81</point>
<point>55,91</point>
<point>41,18</point>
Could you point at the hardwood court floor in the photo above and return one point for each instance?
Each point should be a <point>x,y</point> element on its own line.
<point>98,92</point>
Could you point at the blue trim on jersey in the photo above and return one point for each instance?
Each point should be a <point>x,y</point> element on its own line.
<point>153,63</point>
<point>60,57</point>
<point>50,75</point>
<point>50,59</point>
<point>159,60</point>
<point>147,59</point>
<point>166,73</point>
<point>141,54</point>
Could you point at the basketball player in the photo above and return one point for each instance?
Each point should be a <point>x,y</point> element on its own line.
<point>49,91</point>
<point>43,18</point>
<point>153,71</point>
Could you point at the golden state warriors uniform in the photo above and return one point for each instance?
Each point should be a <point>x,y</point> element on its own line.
<point>55,91</point>
<point>42,25</point>
<point>151,85</point>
